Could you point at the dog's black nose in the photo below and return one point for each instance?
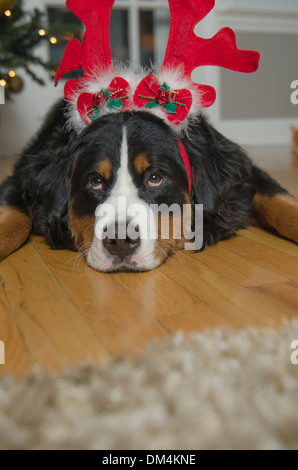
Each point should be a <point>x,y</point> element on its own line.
<point>122,245</point>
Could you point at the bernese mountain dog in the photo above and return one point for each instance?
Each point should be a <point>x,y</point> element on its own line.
<point>62,178</point>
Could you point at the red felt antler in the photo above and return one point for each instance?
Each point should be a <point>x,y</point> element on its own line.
<point>95,52</point>
<point>190,51</point>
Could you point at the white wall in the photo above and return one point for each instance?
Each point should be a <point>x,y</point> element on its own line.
<point>257,21</point>
<point>260,5</point>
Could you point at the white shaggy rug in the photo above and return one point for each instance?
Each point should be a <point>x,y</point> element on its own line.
<point>215,390</point>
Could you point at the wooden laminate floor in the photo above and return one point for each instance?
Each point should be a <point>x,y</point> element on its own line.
<point>55,310</point>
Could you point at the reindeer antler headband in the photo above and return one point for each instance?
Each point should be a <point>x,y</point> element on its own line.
<point>170,93</point>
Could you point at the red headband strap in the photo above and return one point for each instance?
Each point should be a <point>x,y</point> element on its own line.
<point>186,163</point>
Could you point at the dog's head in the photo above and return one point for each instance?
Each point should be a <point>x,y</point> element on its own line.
<point>127,154</point>
<point>129,190</point>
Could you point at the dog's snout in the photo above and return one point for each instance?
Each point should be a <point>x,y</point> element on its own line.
<point>122,244</point>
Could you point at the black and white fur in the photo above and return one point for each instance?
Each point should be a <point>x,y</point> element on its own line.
<point>53,192</point>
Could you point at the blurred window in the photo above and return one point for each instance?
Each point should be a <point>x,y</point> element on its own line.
<point>138,31</point>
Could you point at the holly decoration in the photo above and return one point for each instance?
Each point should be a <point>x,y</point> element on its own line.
<point>163,99</point>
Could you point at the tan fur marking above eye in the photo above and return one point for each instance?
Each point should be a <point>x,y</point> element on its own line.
<point>105,169</point>
<point>15,228</point>
<point>279,212</point>
<point>82,229</point>
<point>141,163</point>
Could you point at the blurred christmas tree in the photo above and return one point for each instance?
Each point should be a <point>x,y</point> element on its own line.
<point>20,32</point>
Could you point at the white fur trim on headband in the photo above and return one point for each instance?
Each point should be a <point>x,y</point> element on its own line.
<point>175,79</point>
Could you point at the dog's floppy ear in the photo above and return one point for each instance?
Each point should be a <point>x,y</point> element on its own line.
<point>221,181</point>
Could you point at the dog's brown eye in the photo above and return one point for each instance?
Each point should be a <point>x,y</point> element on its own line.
<point>96,183</point>
<point>155,181</point>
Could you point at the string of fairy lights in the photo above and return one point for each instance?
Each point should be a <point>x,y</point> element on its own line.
<point>11,73</point>
<point>5,81</point>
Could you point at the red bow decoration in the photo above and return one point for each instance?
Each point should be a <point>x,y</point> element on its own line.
<point>116,96</point>
<point>175,103</point>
